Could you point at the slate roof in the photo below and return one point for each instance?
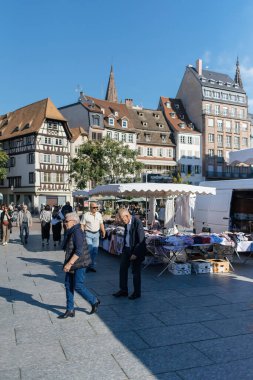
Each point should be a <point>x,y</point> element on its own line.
<point>29,119</point>
<point>153,123</point>
<point>224,78</point>
<point>179,115</point>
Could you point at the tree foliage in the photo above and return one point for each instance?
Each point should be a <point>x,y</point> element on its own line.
<point>3,164</point>
<point>104,161</point>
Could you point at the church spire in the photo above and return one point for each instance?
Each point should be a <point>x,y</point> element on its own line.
<point>111,93</point>
<point>238,79</point>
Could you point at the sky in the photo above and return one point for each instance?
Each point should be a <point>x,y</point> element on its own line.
<point>55,48</point>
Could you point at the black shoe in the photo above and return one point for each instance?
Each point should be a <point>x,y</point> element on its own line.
<point>94,307</point>
<point>92,270</point>
<point>133,296</point>
<point>26,242</point>
<point>120,293</point>
<point>68,313</point>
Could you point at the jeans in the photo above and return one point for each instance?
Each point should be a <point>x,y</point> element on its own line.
<point>24,229</point>
<point>93,243</point>
<point>75,282</point>
<point>125,263</point>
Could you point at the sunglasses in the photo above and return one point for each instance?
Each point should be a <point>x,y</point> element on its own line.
<point>94,207</point>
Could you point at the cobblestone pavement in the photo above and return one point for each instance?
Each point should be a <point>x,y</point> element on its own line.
<point>184,327</point>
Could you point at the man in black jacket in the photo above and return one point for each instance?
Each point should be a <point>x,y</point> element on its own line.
<point>133,254</point>
<point>77,259</point>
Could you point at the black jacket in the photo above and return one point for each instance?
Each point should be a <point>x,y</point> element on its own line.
<point>137,239</point>
<point>75,243</point>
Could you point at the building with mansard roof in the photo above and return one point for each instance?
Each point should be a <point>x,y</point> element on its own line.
<point>37,139</point>
<point>218,107</point>
<point>186,137</point>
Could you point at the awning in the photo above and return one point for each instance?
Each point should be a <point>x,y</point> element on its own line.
<point>150,189</point>
<point>158,163</point>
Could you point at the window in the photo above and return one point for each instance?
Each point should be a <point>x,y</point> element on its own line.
<point>149,151</point>
<point>182,153</point>
<point>220,153</point>
<point>244,141</point>
<point>208,108</point>
<point>123,137</point>
<point>169,153</point>
<point>52,125</point>
<point>173,115</point>
<point>46,158</point>
<point>237,127</point>
<point>225,96</point>
<point>31,177</point>
<point>111,121</point>
<point>210,137</point>
<point>182,168</point>
<point>220,140</point>
<point>210,122</point>
<point>241,113</point>
<point>233,112</point>
<point>228,141</point>
<point>217,110</point>
<point>139,150</point>
<point>160,152</point>
<point>189,169</point>
<point>59,177</point>
<point>168,105</point>
<point>244,127</point>
<point>59,159</point>
<point>228,126</point>
<point>164,138</point>
<point>30,158</point>
<point>216,94</point>
<point>12,162</point>
<point>148,137</point>
<point>208,93</point>
<point>109,134</point>
<point>95,120</point>
<point>210,152</point>
<point>124,124</point>
<point>237,142</point>
<point>46,177</point>
<point>197,169</point>
<point>116,136</point>
<point>96,136</point>
<point>29,140</point>
<point>189,140</point>
<point>225,111</point>
<point>130,138</point>
<point>182,139</point>
<point>58,141</point>
<point>116,113</point>
<point>14,181</point>
<point>48,140</point>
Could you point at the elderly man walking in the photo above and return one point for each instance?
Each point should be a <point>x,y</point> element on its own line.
<point>133,254</point>
<point>24,221</point>
<point>92,223</point>
<point>77,259</point>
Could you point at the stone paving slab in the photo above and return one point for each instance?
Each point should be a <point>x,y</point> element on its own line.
<point>11,374</point>
<point>234,370</point>
<point>231,326</point>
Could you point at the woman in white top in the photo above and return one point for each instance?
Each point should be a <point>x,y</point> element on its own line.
<point>45,219</point>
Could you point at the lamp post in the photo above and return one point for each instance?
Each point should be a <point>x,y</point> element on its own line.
<point>146,175</point>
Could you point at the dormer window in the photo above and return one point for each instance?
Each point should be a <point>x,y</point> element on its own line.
<point>160,125</point>
<point>103,111</point>
<point>164,138</point>
<point>220,82</point>
<point>156,115</point>
<point>111,121</point>
<point>182,125</point>
<point>212,81</point>
<point>148,137</point>
<point>173,115</point>
<point>144,123</point>
<point>177,106</point>
<point>26,126</point>
<point>182,117</point>
<point>16,129</point>
<point>168,105</point>
<point>124,123</point>
<point>140,113</point>
<point>228,84</point>
<point>116,113</point>
<point>236,85</point>
<point>203,79</point>
<point>95,120</point>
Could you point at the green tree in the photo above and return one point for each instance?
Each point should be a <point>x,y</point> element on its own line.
<point>177,178</point>
<point>104,161</point>
<point>3,164</point>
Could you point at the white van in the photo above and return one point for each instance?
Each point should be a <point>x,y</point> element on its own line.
<point>231,209</point>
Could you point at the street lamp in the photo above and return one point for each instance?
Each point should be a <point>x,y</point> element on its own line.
<point>146,174</point>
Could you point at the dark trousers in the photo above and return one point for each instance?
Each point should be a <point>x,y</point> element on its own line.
<point>136,271</point>
<point>24,230</point>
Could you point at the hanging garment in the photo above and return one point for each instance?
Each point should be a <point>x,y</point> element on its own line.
<point>169,213</point>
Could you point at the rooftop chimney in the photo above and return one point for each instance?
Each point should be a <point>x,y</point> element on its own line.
<point>129,103</point>
<point>199,66</point>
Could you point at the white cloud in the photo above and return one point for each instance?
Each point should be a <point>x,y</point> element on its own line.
<point>246,72</point>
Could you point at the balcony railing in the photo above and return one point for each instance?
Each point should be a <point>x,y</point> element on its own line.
<point>225,175</point>
<point>221,114</point>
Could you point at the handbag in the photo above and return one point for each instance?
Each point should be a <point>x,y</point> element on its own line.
<point>43,223</point>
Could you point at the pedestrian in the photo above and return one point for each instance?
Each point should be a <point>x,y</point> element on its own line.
<point>45,219</point>
<point>56,221</point>
<point>6,225</point>
<point>133,254</point>
<point>66,209</point>
<point>92,223</point>
<point>1,224</point>
<point>24,221</point>
<point>77,259</point>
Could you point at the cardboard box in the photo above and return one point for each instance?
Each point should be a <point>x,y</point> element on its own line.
<point>179,268</point>
<point>219,266</point>
<point>201,266</point>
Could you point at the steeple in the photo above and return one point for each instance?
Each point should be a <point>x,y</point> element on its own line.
<point>238,79</point>
<point>111,93</point>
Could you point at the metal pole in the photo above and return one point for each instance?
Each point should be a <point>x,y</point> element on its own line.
<point>146,203</point>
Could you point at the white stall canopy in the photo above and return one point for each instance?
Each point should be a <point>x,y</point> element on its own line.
<point>157,190</point>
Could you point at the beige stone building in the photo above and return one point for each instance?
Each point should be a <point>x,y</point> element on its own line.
<point>218,107</point>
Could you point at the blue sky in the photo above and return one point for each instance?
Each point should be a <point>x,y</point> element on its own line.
<point>52,48</point>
